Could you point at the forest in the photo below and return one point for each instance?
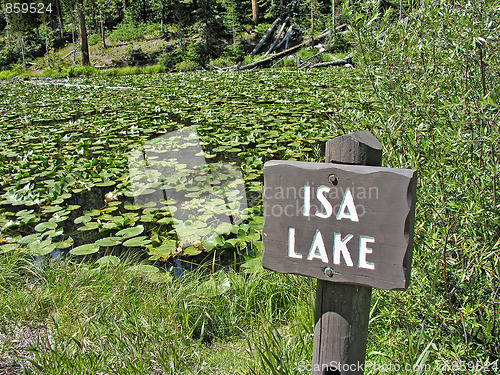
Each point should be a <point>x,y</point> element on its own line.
<point>193,32</point>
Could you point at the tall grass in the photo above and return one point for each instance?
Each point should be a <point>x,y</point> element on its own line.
<point>110,320</point>
<point>433,71</point>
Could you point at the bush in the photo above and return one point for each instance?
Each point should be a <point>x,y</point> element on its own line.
<point>134,56</point>
<point>93,39</point>
<point>304,53</point>
<point>170,59</point>
<point>234,52</point>
<point>223,62</point>
<point>187,66</point>
<point>151,69</point>
<point>7,57</point>
<point>290,61</point>
<point>338,43</point>
<point>125,32</point>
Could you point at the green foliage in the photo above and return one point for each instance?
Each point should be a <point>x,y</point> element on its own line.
<point>82,71</point>
<point>187,66</point>
<point>306,53</point>
<point>94,39</point>
<point>117,316</point>
<point>7,57</point>
<point>338,43</point>
<point>125,32</point>
<point>261,28</point>
<point>170,59</point>
<point>235,52</point>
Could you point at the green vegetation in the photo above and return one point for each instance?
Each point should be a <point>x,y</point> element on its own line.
<point>78,324</point>
<point>424,84</point>
<point>179,35</point>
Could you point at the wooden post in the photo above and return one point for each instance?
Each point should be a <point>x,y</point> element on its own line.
<point>321,221</point>
<point>341,315</point>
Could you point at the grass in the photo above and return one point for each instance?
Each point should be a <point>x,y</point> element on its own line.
<point>100,319</point>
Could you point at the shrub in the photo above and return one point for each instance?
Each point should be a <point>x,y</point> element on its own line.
<point>338,43</point>
<point>134,56</point>
<point>304,53</point>
<point>93,39</point>
<point>129,31</point>
<point>187,66</point>
<point>234,52</point>
<point>82,71</point>
<point>223,62</point>
<point>170,59</point>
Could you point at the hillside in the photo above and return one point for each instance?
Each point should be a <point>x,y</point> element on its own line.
<point>187,36</point>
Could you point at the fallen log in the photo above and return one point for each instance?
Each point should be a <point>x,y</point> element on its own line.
<point>280,31</point>
<point>286,38</point>
<point>265,37</point>
<point>307,63</point>
<point>345,61</point>
<point>69,54</point>
<point>269,59</point>
<point>266,61</point>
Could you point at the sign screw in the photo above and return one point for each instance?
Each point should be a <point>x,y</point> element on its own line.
<point>328,271</point>
<point>333,179</point>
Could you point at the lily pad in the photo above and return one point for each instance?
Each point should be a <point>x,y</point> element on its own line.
<point>137,241</point>
<point>191,251</point>
<point>106,183</point>
<point>130,232</point>
<point>51,209</point>
<point>29,238</point>
<point>165,250</point>
<point>9,247</point>
<point>45,225</point>
<point>82,219</point>
<point>86,249</point>
<point>40,248</point>
<point>109,241</point>
<point>65,244</point>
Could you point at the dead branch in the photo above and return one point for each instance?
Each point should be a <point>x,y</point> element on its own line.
<point>265,37</point>
<point>268,60</point>
<point>345,61</point>
<point>278,35</point>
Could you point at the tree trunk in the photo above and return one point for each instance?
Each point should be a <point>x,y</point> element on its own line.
<point>345,61</point>
<point>333,18</point>
<point>162,21</point>
<point>73,35</point>
<point>21,43</point>
<point>276,40</point>
<point>255,12</point>
<point>83,36</point>
<point>59,18</point>
<point>268,60</point>
<point>102,31</point>
<point>312,22</point>
<point>265,37</point>
<point>8,28</point>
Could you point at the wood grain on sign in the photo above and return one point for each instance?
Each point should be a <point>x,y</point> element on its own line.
<point>342,223</point>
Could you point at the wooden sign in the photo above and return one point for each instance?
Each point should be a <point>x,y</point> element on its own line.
<point>344,223</point>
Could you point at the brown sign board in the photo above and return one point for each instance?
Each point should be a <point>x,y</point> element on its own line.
<point>342,223</point>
